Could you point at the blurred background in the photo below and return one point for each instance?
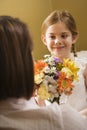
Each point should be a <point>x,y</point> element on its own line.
<point>33,12</point>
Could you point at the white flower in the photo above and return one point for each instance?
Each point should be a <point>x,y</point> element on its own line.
<point>67,71</point>
<point>50,84</point>
<point>46,69</point>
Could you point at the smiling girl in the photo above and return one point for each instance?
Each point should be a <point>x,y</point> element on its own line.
<point>59,33</point>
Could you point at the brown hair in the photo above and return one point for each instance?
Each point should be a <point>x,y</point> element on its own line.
<point>63,16</point>
<point>16,64</point>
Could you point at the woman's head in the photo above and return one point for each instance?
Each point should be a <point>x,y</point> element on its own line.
<point>63,17</point>
<point>16,65</point>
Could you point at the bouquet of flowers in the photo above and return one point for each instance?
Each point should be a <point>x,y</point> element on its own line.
<point>54,77</point>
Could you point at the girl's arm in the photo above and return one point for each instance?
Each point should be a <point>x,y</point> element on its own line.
<point>85,75</point>
<point>84,111</point>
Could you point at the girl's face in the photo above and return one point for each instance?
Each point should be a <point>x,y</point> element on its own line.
<point>59,40</point>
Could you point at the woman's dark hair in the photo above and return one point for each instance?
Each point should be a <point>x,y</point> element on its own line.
<point>16,64</point>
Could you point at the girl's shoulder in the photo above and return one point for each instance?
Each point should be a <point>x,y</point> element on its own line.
<point>82,53</point>
<point>81,58</point>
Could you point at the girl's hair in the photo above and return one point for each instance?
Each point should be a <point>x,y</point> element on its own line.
<point>63,16</point>
<point>16,64</point>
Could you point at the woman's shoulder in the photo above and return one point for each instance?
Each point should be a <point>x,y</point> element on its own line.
<point>50,116</point>
<point>72,118</point>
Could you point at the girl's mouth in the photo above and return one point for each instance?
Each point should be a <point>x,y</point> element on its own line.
<point>59,47</point>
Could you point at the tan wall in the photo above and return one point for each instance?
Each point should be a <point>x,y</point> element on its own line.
<point>33,12</point>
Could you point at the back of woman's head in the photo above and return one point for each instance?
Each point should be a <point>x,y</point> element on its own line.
<point>16,65</point>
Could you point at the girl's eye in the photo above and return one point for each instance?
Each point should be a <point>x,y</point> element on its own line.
<point>52,37</point>
<point>64,36</point>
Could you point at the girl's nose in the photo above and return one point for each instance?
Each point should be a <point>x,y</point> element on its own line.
<point>57,41</point>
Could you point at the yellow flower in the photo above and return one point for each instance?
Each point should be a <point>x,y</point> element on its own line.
<point>73,68</point>
<point>38,78</point>
<point>42,92</point>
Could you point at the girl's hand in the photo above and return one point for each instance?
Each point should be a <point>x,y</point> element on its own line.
<point>84,112</point>
<point>38,100</point>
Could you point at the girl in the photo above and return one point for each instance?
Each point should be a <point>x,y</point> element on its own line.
<point>59,33</point>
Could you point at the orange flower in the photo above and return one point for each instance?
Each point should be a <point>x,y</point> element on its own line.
<point>65,84</point>
<point>38,67</point>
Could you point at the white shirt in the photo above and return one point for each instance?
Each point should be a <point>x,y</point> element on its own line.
<point>27,115</point>
<point>78,98</point>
